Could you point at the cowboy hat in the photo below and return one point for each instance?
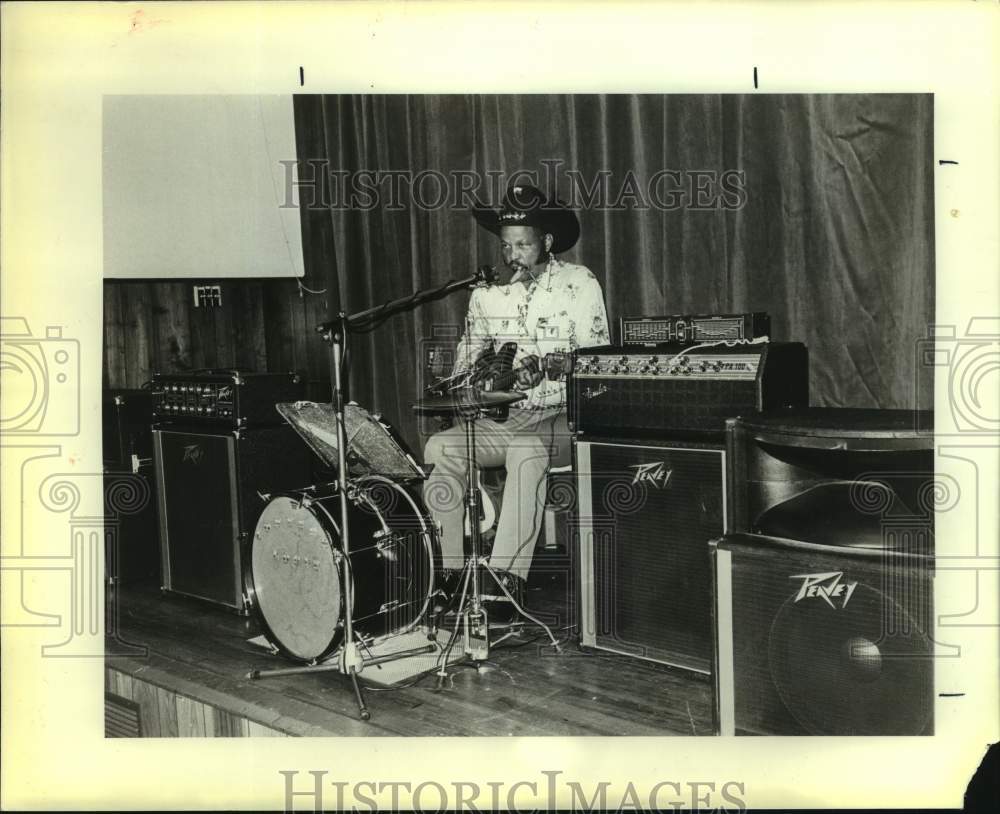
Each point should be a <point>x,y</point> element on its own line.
<point>527,206</point>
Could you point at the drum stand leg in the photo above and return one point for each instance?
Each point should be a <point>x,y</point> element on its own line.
<point>350,659</point>
<point>335,666</point>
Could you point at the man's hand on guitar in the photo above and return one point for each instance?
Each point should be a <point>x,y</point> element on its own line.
<point>486,368</point>
<point>528,373</point>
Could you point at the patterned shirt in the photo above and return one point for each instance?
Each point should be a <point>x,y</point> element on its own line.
<point>560,311</point>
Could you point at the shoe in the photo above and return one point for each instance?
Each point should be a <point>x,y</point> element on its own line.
<point>499,609</point>
<point>447,592</point>
<point>448,582</point>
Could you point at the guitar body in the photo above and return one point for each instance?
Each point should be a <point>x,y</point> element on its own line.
<point>494,370</point>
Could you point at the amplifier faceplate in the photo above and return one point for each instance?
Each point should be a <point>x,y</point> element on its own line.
<point>693,328</point>
<point>222,398</point>
<point>707,365</point>
<point>616,391</point>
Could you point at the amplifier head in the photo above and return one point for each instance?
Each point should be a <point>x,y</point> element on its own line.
<point>222,397</point>
<point>626,390</point>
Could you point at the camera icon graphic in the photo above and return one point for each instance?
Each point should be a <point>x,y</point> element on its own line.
<point>970,364</point>
<point>41,380</point>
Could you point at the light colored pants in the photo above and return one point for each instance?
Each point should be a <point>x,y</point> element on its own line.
<point>527,444</point>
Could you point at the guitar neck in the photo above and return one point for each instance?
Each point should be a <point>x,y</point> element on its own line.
<point>551,362</point>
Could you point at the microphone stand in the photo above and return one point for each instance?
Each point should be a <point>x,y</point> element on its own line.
<point>350,658</point>
<point>334,331</point>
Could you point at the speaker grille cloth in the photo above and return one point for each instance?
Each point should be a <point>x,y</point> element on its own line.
<point>806,665</point>
<point>661,506</point>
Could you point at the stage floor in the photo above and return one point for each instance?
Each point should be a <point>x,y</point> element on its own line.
<point>187,662</point>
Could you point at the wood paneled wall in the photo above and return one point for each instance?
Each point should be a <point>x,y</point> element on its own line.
<point>164,713</point>
<point>262,325</point>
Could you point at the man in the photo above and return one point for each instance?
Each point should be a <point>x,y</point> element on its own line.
<point>545,305</point>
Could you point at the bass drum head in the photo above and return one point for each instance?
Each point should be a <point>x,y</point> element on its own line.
<point>296,582</point>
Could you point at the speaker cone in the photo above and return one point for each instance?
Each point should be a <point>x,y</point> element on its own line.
<point>840,669</point>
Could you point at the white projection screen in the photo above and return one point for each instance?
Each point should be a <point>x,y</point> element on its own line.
<point>194,187</point>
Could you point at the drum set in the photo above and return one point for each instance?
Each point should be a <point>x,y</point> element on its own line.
<point>340,574</point>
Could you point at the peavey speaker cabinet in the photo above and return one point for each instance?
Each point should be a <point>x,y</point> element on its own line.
<point>209,486</point>
<point>646,513</point>
<point>824,584</point>
<point>822,640</point>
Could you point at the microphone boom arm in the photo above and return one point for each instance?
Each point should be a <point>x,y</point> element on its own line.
<point>485,274</point>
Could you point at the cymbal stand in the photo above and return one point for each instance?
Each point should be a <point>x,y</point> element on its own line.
<point>471,614</point>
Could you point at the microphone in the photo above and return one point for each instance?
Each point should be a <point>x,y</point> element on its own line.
<point>486,274</point>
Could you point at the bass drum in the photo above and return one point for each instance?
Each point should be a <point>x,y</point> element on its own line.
<point>295,576</point>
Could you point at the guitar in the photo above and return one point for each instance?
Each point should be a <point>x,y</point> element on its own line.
<point>495,370</point>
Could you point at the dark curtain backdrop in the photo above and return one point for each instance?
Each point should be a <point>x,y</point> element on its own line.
<point>834,240</point>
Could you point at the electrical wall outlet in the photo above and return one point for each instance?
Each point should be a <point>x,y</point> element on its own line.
<point>207,296</point>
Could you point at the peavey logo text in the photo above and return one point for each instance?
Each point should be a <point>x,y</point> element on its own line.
<point>656,474</point>
<point>826,586</point>
<point>193,453</point>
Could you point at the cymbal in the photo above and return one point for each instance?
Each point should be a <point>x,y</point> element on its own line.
<point>467,398</point>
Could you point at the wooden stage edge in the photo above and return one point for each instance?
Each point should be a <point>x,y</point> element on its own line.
<point>177,667</point>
